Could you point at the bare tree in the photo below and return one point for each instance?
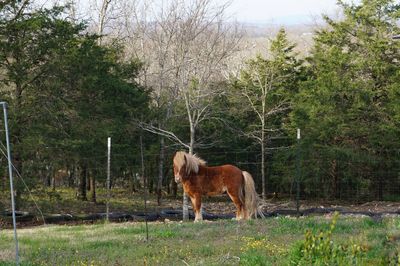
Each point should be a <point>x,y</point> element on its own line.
<point>264,83</point>
<point>185,47</point>
<point>150,40</point>
<point>105,17</point>
<point>102,17</point>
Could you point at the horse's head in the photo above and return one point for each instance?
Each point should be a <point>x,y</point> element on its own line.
<point>179,166</point>
<point>186,164</point>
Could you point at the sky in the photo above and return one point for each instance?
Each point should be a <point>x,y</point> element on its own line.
<point>284,12</point>
<point>281,11</point>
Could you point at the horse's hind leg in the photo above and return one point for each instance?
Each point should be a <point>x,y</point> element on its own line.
<point>238,204</point>
<point>196,203</point>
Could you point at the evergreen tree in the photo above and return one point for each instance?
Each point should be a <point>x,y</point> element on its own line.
<point>67,93</point>
<point>346,106</point>
<point>29,39</point>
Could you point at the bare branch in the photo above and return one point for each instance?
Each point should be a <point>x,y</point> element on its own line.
<point>165,133</point>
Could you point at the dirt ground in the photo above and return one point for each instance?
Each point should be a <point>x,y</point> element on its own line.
<point>274,205</point>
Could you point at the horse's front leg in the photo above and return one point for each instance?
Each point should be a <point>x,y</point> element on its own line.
<point>196,203</point>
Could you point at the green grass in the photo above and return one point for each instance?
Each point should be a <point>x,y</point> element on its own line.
<point>272,241</point>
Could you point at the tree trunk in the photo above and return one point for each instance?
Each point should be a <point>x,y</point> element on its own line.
<point>132,183</point>
<point>174,188</point>
<point>151,185</point>
<point>192,138</point>
<point>166,178</point>
<point>380,188</point>
<point>334,177</point>
<point>380,180</point>
<point>82,184</point>
<point>92,179</point>
<point>185,207</point>
<point>53,181</point>
<point>48,175</point>
<point>71,177</point>
<point>54,178</point>
<point>17,132</point>
<point>102,16</point>
<point>263,181</point>
<point>4,179</point>
<point>160,169</point>
<point>88,183</point>
<point>42,176</point>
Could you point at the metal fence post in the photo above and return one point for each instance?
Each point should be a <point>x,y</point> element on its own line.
<point>11,182</point>
<point>108,178</point>
<point>298,173</point>
<point>145,187</point>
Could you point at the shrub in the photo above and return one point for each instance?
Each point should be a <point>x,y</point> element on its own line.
<point>320,249</point>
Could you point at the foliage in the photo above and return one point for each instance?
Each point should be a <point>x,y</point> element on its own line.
<point>320,249</point>
<point>66,92</point>
<point>345,107</point>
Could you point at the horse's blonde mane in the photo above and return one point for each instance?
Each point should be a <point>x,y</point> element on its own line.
<point>192,162</point>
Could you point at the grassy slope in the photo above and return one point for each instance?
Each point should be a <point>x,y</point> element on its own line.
<point>262,242</point>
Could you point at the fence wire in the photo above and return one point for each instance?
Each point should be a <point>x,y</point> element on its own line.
<point>323,176</point>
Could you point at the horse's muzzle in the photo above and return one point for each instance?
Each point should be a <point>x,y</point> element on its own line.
<point>178,179</point>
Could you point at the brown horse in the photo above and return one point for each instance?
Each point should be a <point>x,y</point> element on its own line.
<point>198,180</point>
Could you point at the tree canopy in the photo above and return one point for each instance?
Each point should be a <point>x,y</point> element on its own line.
<point>69,89</point>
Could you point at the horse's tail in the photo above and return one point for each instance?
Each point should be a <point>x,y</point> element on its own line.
<point>251,198</point>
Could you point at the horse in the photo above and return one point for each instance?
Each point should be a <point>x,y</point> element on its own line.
<point>198,180</point>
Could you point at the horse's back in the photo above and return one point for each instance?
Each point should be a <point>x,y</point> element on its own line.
<point>225,174</point>
<point>215,180</point>
<point>226,170</point>
<point>232,169</point>
<point>232,178</point>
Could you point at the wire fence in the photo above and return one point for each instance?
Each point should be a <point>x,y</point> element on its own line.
<point>316,176</point>
<point>325,176</point>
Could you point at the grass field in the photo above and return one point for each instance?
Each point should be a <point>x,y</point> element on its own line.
<point>273,241</point>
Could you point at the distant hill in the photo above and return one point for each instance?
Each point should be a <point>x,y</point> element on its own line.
<point>257,36</point>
